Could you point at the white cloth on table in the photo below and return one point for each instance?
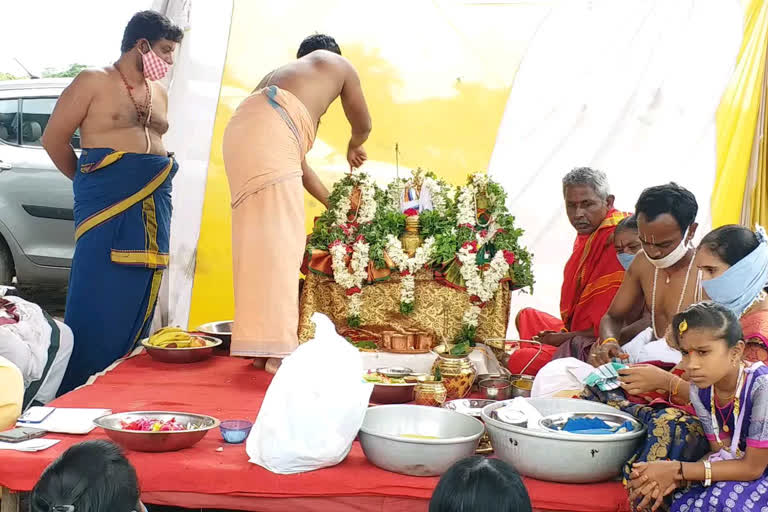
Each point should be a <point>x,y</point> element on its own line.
<point>644,347</point>
<point>567,373</point>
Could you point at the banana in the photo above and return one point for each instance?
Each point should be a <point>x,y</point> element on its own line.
<point>170,335</point>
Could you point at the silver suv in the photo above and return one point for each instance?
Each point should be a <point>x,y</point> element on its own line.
<point>36,201</point>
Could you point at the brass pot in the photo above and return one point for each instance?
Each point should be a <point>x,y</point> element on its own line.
<point>411,239</point>
<point>429,392</point>
<point>458,376</point>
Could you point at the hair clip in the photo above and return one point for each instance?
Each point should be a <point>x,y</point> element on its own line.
<point>682,327</point>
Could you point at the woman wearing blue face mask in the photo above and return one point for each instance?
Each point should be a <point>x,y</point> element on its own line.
<point>626,241</point>
<point>733,266</point>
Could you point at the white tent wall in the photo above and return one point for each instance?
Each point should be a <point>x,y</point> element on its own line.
<point>627,87</point>
<point>193,98</point>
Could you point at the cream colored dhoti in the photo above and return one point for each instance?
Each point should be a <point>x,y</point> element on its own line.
<point>264,144</point>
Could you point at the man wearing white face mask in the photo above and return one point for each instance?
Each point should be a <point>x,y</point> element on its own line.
<point>662,275</point>
<point>122,186</point>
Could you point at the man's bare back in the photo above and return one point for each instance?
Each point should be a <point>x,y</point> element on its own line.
<point>317,80</point>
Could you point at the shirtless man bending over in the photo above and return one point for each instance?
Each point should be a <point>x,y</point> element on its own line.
<point>663,276</point>
<point>265,145</point>
<point>122,186</point>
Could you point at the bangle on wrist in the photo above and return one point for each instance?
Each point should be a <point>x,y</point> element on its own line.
<point>707,473</point>
<point>609,340</point>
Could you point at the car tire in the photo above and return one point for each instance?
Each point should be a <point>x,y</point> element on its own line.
<point>6,264</point>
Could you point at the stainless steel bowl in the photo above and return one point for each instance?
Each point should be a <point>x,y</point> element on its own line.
<point>521,388</point>
<point>468,406</point>
<point>452,436</point>
<point>397,372</point>
<point>182,355</point>
<point>496,388</point>
<point>483,376</point>
<point>221,330</point>
<point>156,441</point>
<point>392,393</point>
<point>562,456</point>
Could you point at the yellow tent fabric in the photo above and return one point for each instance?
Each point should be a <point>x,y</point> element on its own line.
<point>737,118</point>
<point>758,213</point>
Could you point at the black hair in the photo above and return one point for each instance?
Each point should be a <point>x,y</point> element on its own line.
<point>93,476</point>
<point>479,483</point>
<point>152,26</point>
<point>708,315</point>
<point>671,198</point>
<point>731,243</point>
<point>627,224</point>
<point>317,42</point>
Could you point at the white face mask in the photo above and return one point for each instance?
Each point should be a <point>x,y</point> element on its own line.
<point>673,257</point>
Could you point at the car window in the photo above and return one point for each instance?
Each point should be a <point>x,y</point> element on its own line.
<point>35,113</point>
<point>9,121</point>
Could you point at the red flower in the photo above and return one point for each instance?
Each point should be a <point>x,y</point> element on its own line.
<point>474,299</point>
<point>471,245</point>
<point>349,249</point>
<point>484,233</point>
<point>500,230</point>
<point>411,212</point>
<point>335,243</point>
<point>360,238</point>
<point>405,273</point>
<point>509,257</point>
<point>469,226</point>
<point>353,290</point>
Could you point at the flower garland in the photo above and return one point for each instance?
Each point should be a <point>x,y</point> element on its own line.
<point>481,287</point>
<point>367,207</point>
<point>352,282</point>
<point>408,267</point>
<point>467,203</point>
<point>486,235</point>
<point>467,212</point>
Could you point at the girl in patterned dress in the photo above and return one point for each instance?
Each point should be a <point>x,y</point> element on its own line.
<point>731,401</point>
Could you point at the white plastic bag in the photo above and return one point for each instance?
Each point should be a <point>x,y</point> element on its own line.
<point>314,407</point>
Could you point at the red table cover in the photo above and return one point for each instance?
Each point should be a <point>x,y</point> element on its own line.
<point>230,388</point>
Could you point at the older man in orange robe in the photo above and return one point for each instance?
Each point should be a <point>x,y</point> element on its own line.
<point>591,278</point>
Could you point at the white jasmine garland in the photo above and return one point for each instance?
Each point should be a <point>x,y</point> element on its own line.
<point>467,203</point>
<point>483,286</point>
<point>342,207</point>
<point>354,279</point>
<point>367,208</point>
<point>367,200</point>
<point>467,214</point>
<point>408,266</point>
<point>480,180</point>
